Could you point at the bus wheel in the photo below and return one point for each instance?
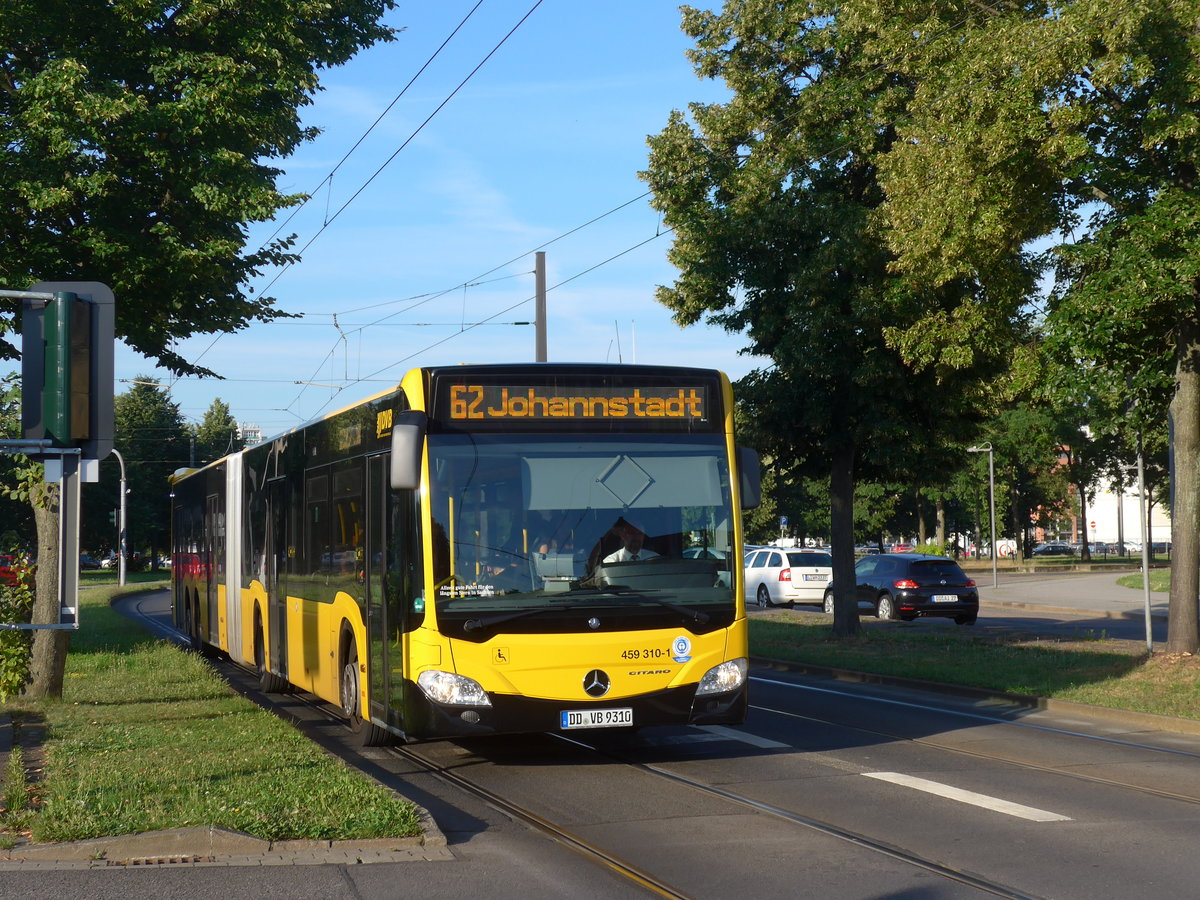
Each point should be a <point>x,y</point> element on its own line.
<point>198,643</point>
<point>366,733</point>
<point>268,682</point>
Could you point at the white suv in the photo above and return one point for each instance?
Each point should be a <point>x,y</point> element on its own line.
<point>776,576</point>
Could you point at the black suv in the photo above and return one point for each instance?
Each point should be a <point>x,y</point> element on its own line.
<point>907,585</point>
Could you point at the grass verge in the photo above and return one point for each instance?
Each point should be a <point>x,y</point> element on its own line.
<point>1160,580</point>
<point>1101,671</point>
<point>148,737</point>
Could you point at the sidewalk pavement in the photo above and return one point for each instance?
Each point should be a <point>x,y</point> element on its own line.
<point>1096,594</point>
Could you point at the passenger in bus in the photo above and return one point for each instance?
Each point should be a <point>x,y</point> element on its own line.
<point>506,571</point>
<point>551,533</point>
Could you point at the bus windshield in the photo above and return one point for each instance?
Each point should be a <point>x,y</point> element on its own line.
<point>526,527</point>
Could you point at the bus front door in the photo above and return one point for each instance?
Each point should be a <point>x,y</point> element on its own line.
<point>374,566</point>
<point>278,498</point>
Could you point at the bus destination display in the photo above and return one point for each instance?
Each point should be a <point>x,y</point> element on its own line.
<point>667,407</point>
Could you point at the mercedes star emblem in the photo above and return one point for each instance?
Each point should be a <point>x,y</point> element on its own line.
<point>595,683</point>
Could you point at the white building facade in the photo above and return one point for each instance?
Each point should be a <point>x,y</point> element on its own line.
<point>1113,516</point>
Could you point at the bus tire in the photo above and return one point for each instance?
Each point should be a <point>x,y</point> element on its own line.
<point>268,682</point>
<point>198,643</point>
<point>365,733</point>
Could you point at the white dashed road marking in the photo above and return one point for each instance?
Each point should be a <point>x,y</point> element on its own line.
<point>982,800</point>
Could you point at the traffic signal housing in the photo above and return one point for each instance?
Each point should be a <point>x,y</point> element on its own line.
<point>67,366</point>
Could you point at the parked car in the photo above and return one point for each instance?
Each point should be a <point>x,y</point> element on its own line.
<point>907,585</point>
<point>1054,548</point>
<point>900,548</point>
<point>88,562</point>
<point>8,575</point>
<point>777,576</point>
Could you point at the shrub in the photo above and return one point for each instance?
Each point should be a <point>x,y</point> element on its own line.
<point>16,607</point>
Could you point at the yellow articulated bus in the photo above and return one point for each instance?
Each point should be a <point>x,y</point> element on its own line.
<point>485,550</point>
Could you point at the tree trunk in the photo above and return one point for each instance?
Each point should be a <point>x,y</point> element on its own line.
<point>1018,531</point>
<point>1183,634</point>
<point>922,535</point>
<point>48,661</point>
<point>841,516</point>
<point>1085,550</point>
<point>940,507</point>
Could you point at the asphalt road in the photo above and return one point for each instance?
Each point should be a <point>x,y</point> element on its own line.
<point>830,789</point>
<point>1059,604</point>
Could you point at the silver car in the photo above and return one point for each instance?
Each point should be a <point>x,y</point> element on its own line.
<point>776,576</point>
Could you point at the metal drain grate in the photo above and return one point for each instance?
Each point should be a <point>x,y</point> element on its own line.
<point>160,860</point>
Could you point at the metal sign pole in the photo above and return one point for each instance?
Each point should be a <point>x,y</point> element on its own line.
<point>66,470</point>
<point>68,541</point>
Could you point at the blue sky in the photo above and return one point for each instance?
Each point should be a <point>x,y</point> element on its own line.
<point>549,134</point>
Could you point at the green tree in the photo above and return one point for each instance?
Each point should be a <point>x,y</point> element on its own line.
<point>773,199</point>
<point>152,436</point>
<point>137,145</point>
<point>1078,118</point>
<point>217,434</point>
<point>138,141</point>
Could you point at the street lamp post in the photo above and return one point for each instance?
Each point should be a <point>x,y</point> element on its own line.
<point>121,523</point>
<point>1141,467</point>
<point>987,448</point>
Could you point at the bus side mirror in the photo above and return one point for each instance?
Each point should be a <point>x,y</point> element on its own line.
<point>408,440</point>
<point>751,477</point>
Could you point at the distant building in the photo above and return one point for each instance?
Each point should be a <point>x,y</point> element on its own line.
<point>1113,512</point>
<point>250,433</point>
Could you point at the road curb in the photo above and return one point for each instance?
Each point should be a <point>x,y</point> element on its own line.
<point>1131,719</point>
<point>222,846</point>
<point>1076,611</point>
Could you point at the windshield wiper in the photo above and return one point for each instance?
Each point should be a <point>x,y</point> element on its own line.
<point>501,618</point>
<point>694,614</point>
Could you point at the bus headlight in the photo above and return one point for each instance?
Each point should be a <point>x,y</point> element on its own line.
<point>728,676</point>
<point>452,690</point>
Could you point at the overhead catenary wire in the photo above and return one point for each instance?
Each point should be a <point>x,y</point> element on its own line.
<point>330,219</point>
<point>328,179</point>
<point>433,295</point>
<point>406,142</point>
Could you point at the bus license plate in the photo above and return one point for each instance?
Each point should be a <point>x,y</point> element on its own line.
<point>596,718</point>
<point>945,598</point>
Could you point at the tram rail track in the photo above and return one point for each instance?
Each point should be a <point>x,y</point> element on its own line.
<point>648,880</point>
<point>827,828</point>
<point>638,874</point>
<point>580,845</point>
<point>1007,759</point>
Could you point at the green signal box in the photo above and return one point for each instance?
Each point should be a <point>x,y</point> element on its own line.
<point>66,392</point>
<point>67,366</point>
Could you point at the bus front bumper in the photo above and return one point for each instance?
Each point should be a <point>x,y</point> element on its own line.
<point>511,714</point>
